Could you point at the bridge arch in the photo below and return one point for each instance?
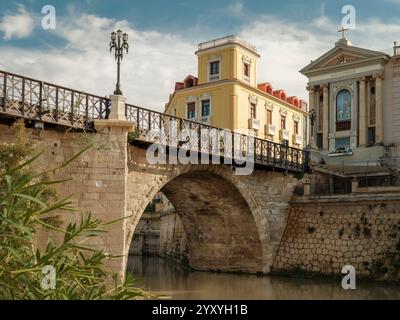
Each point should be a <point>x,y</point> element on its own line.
<point>232,223</point>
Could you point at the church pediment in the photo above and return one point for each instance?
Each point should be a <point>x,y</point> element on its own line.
<point>341,55</point>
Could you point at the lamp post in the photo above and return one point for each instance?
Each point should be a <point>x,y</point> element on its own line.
<point>119,47</point>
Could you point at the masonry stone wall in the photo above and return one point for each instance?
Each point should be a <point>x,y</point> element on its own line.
<point>324,234</point>
<point>97,179</point>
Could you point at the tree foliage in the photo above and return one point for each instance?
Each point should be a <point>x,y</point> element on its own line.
<point>28,203</point>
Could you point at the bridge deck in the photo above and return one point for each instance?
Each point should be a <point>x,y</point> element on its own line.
<point>42,101</point>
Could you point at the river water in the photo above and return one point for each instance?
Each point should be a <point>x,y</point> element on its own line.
<point>159,276</point>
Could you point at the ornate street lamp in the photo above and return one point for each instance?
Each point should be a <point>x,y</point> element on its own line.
<point>119,47</point>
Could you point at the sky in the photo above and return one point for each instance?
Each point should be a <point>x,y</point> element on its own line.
<point>163,36</point>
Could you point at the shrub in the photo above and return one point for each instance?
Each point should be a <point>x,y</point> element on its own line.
<point>27,204</point>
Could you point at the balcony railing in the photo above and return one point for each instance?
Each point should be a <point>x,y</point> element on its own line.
<point>254,124</point>
<point>296,139</point>
<point>164,129</point>
<point>343,126</point>
<point>284,134</point>
<point>42,101</point>
<point>225,40</point>
<point>270,129</point>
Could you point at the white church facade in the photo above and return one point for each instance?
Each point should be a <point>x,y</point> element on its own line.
<point>354,102</point>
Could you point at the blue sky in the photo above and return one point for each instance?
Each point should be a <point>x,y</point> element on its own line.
<point>164,35</point>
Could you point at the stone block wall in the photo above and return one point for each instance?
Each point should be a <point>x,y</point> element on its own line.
<point>97,182</point>
<point>323,235</point>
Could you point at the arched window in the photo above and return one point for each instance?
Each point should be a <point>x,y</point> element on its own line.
<point>343,110</point>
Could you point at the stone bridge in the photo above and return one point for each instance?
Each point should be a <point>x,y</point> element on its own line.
<point>232,222</point>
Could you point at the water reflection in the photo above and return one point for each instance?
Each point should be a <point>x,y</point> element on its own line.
<point>160,276</point>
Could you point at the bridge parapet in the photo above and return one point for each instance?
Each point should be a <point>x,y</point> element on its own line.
<point>49,103</point>
<point>171,131</point>
<point>42,101</point>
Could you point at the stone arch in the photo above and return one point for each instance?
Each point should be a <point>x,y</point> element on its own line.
<point>251,210</point>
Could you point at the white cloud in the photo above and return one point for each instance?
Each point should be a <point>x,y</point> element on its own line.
<point>148,73</point>
<point>157,59</point>
<point>19,25</point>
<point>287,46</point>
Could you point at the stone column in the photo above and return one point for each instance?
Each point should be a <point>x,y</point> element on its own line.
<point>362,139</point>
<point>111,203</point>
<point>108,170</point>
<point>354,185</point>
<point>379,116</point>
<point>117,107</point>
<point>306,187</point>
<point>325,124</point>
<point>312,132</point>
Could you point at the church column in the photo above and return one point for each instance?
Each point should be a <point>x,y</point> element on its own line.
<point>325,124</point>
<point>362,139</point>
<point>379,116</point>
<point>312,129</point>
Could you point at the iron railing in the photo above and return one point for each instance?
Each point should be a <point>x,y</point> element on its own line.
<point>42,101</point>
<point>380,181</point>
<point>205,139</point>
<point>45,102</point>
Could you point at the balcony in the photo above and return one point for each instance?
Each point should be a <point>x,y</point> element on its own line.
<point>270,129</point>
<point>296,139</point>
<point>284,134</point>
<point>254,124</point>
<point>343,126</point>
<point>205,119</point>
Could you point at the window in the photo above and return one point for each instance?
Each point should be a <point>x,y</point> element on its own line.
<point>253,110</point>
<point>371,136</point>
<point>269,116</point>
<point>205,108</point>
<point>283,123</point>
<point>296,127</point>
<point>319,140</point>
<point>246,70</point>
<point>214,68</point>
<point>191,110</point>
<point>343,110</point>
<point>214,71</point>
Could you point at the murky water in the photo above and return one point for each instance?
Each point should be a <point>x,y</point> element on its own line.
<point>162,277</point>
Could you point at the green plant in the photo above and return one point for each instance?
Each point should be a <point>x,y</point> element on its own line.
<point>357,230</point>
<point>27,206</point>
<point>311,229</point>
<point>367,232</point>
<point>133,135</point>
<point>341,232</point>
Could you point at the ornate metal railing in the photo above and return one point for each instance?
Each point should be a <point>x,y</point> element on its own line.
<point>42,101</point>
<point>380,181</point>
<point>45,102</point>
<point>152,126</point>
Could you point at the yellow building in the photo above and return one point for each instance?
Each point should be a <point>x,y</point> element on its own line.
<point>226,95</point>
